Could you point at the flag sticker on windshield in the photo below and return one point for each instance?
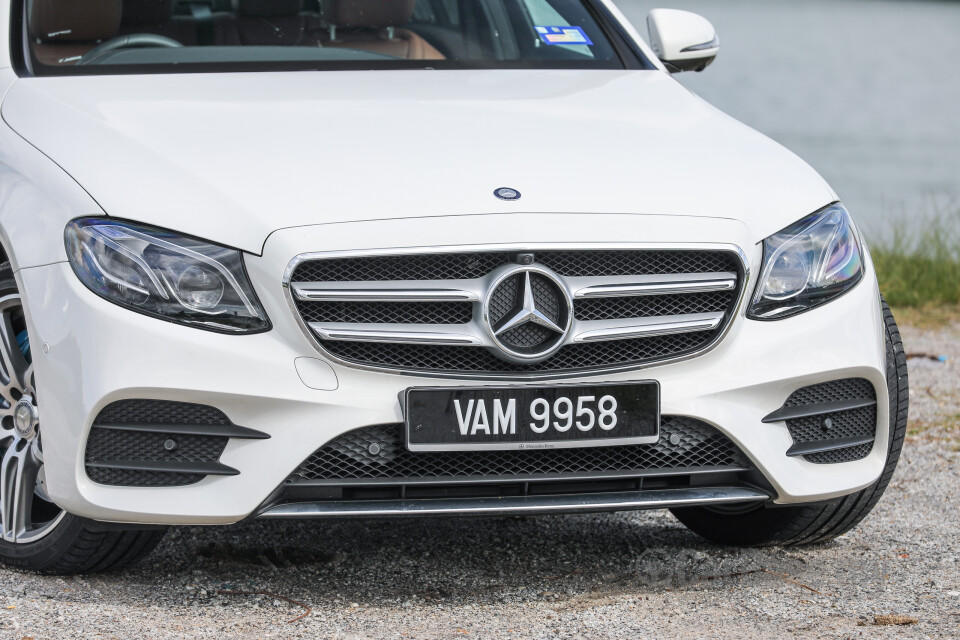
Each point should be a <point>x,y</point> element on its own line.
<point>563,35</point>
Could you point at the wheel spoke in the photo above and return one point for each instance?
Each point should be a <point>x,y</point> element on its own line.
<point>14,363</point>
<point>6,395</point>
<point>28,381</point>
<point>18,477</point>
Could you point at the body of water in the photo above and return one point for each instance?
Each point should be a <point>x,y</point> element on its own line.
<point>866,91</point>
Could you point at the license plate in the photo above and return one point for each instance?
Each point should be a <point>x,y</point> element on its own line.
<point>457,419</point>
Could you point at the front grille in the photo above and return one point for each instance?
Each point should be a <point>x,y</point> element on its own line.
<point>458,317</point>
<point>846,425</point>
<point>686,445</point>
<point>166,436</point>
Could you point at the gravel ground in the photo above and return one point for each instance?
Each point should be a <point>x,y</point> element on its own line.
<point>631,575</point>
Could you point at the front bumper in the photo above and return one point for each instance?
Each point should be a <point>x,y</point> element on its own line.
<point>94,353</point>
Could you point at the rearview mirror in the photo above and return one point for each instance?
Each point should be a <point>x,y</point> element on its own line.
<point>683,41</point>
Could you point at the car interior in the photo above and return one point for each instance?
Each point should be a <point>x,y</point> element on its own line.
<point>71,32</point>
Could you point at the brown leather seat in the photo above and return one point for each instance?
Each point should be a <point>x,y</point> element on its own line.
<point>156,16</point>
<point>64,31</point>
<point>277,23</point>
<point>374,25</point>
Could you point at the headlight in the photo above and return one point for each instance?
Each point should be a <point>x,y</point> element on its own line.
<point>807,264</point>
<point>165,275</point>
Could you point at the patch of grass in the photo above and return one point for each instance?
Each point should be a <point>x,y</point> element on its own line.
<point>918,265</point>
<point>927,316</point>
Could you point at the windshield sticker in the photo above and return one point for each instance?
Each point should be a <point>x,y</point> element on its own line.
<point>563,35</point>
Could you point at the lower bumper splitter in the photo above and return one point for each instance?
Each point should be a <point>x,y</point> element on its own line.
<point>520,505</point>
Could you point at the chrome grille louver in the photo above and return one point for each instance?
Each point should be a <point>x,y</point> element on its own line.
<point>423,311</point>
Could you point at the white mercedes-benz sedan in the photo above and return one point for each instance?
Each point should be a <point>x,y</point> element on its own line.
<point>376,258</point>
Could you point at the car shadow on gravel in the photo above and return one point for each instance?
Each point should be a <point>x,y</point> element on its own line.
<point>453,560</point>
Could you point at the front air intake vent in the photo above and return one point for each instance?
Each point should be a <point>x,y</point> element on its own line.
<point>378,454</point>
<point>159,443</point>
<point>831,422</point>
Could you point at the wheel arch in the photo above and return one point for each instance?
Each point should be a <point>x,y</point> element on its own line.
<point>37,200</point>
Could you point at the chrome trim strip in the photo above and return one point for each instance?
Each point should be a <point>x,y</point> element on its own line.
<point>519,505</point>
<point>379,292</point>
<point>535,446</point>
<point>736,313</point>
<point>396,333</point>
<point>628,286</point>
<point>607,330</point>
<point>819,409</point>
<point>703,46</point>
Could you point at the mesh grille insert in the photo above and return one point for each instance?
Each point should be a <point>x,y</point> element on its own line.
<point>106,445</point>
<point>131,478</point>
<point>843,424</point>
<point>445,266</point>
<point>685,444</point>
<point>848,454</point>
<point>569,358</point>
<point>159,412</point>
<point>649,306</point>
<point>466,266</point>
<point>387,312</point>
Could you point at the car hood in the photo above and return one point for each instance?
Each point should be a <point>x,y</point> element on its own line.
<point>234,157</point>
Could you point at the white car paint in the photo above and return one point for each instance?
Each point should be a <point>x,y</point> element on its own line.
<point>379,160</point>
<point>254,149</point>
<point>254,379</point>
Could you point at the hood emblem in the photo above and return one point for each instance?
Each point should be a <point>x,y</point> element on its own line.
<point>528,313</point>
<point>506,193</point>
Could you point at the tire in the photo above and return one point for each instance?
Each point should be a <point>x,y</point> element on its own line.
<point>814,522</point>
<point>35,534</point>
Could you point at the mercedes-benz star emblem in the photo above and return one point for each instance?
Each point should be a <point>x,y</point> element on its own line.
<point>528,313</point>
<point>506,193</point>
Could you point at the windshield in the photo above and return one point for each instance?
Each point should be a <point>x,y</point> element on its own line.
<point>170,36</point>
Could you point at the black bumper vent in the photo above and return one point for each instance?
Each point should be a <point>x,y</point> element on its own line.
<point>377,455</point>
<point>159,443</point>
<point>831,422</point>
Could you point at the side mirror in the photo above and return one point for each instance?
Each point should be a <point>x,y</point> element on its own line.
<point>683,41</point>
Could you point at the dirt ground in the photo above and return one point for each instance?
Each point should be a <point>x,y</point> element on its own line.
<point>628,575</point>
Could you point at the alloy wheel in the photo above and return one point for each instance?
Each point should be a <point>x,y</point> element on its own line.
<point>26,513</point>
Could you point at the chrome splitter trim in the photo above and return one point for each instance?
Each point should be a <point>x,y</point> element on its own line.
<point>519,505</point>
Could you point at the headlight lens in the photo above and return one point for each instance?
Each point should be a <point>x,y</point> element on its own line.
<point>166,275</point>
<point>807,264</point>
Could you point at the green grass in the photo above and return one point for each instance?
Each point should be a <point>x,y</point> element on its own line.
<point>919,264</point>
